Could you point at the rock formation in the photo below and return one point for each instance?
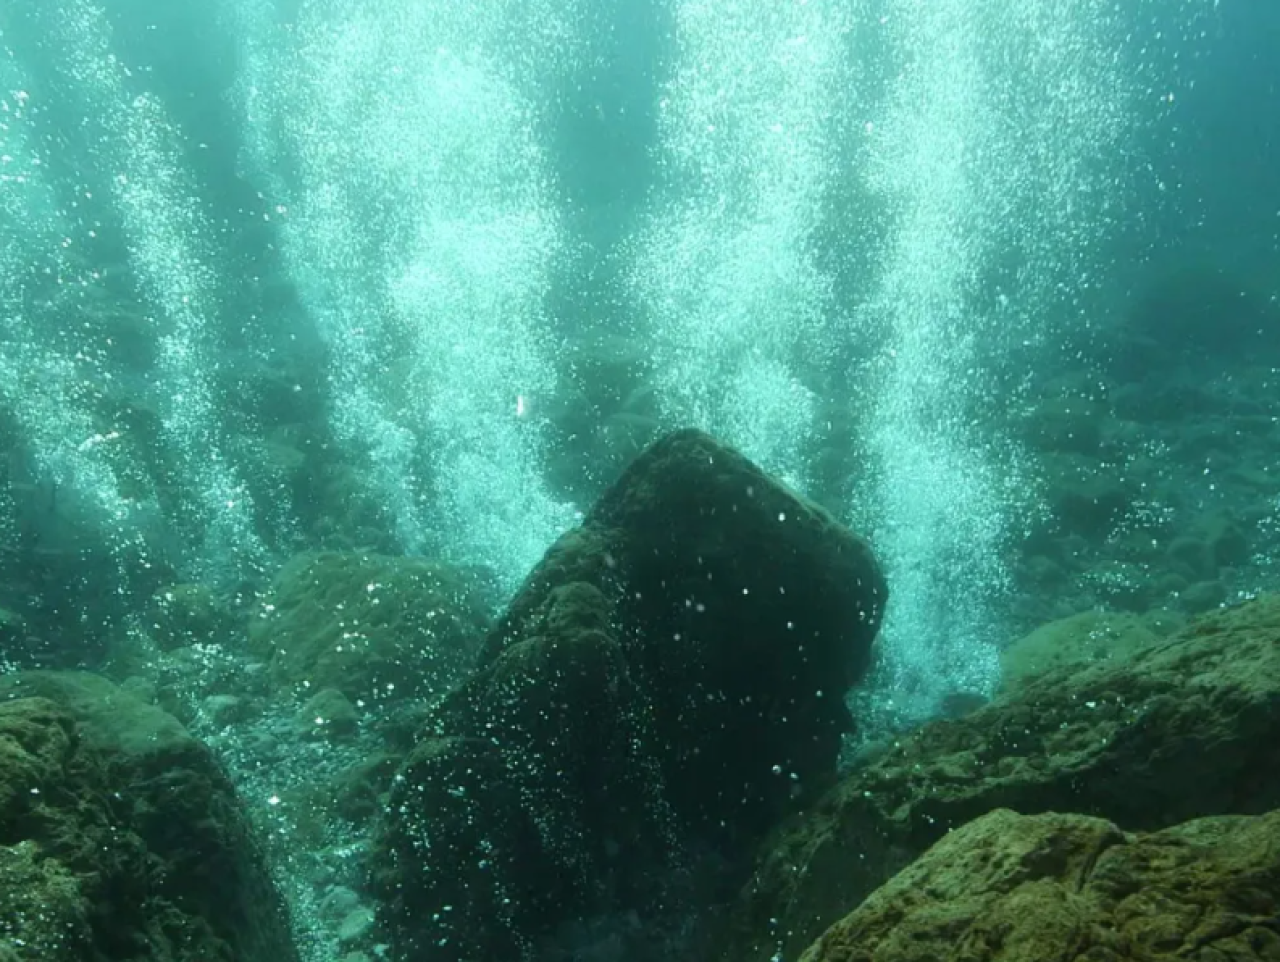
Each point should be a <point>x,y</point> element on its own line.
<point>120,835</point>
<point>1059,888</point>
<point>668,684</point>
<point>1186,727</point>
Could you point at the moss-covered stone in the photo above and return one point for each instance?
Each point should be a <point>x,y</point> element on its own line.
<point>1079,640</point>
<point>381,630</point>
<point>190,614</point>
<point>1058,888</point>
<point>43,910</point>
<point>1184,727</point>
<point>743,613</point>
<point>328,714</point>
<point>666,685</point>
<point>120,835</point>
<point>463,874</point>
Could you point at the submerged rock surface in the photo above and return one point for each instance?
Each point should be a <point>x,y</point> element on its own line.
<point>1058,888</point>
<point>667,684</point>
<point>381,630</point>
<point>1186,727</point>
<point>121,837</point>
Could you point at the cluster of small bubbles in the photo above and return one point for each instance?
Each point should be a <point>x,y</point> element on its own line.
<point>438,357</point>
<point>725,269</point>
<point>46,369</point>
<point>950,155</point>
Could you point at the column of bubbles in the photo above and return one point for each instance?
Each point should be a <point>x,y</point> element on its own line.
<point>171,251</point>
<point>70,490</point>
<point>403,143</point>
<point>725,267</point>
<point>996,152</point>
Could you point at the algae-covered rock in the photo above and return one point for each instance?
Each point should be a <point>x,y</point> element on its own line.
<point>43,910</point>
<point>1058,888</point>
<point>189,614</point>
<point>328,714</point>
<point>743,614</point>
<point>120,835</point>
<point>666,685</point>
<point>1185,727</point>
<point>378,629</point>
<point>463,873</point>
<point>1079,640</point>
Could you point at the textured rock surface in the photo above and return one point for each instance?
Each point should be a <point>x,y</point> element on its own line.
<point>1061,888</point>
<point>667,683</point>
<point>1187,727</point>
<point>1077,641</point>
<point>190,614</point>
<point>380,630</point>
<point>120,836</point>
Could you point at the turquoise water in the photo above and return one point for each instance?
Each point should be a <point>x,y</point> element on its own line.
<point>990,280</point>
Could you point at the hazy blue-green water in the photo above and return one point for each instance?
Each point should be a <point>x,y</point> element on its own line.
<point>421,276</point>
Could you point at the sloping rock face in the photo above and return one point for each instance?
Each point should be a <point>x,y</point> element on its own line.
<point>1186,727</point>
<point>1060,888</point>
<point>120,836</point>
<point>1077,641</point>
<point>666,686</point>
<point>381,630</point>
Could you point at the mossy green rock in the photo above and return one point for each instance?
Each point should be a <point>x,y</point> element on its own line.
<point>190,614</point>
<point>120,835</point>
<point>1079,640</point>
<point>1059,888</point>
<point>43,910</point>
<point>667,684</point>
<point>379,629</point>
<point>745,612</point>
<point>328,714</point>
<point>1185,727</point>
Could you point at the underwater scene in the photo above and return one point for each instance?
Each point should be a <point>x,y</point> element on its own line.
<point>639,480</point>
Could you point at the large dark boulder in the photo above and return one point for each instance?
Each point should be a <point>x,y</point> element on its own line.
<point>668,683</point>
<point>1185,727</point>
<point>121,837</point>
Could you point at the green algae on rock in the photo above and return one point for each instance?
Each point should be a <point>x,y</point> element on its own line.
<point>381,630</point>
<point>1080,640</point>
<point>1058,888</point>
<point>1186,727</point>
<point>120,835</point>
<point>668,680</point>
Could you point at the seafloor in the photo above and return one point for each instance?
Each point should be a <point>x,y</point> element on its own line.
<point>642,758</point>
